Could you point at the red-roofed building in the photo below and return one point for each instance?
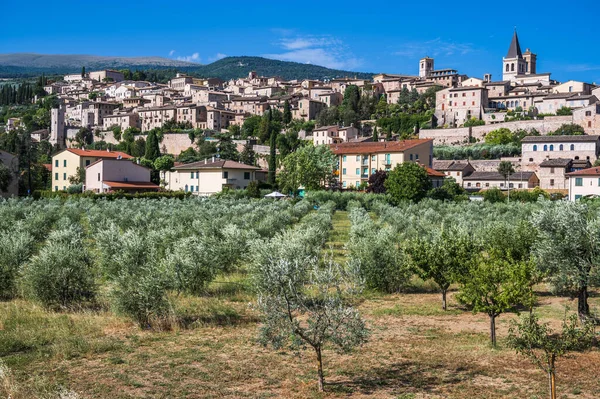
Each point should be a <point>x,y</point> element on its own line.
<point>358,161</point>
<point>210,176</point>
<point>66,163</point>
<point>584,183</point>
<point>106,175</point>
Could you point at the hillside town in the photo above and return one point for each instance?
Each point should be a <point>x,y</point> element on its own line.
<point>94,109</point>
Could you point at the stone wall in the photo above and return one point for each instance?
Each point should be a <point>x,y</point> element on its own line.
<point>460,136</point>
<point>174,143</point>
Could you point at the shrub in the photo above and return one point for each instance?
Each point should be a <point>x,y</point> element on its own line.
<point>15,248</point>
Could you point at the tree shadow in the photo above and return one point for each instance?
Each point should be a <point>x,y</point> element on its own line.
<point>405,376</point>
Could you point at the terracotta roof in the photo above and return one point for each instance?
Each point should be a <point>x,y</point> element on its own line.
<point>555,162</point>
<point>450,165</point>
<point>98,153</point>
<point>48,166</point>
<point>517,176</point>
<point>130,184</point>
<point>586,172</point>
<point>377,147</point>
<point>559,139</point>
<point>216,164</point>
<point>433,173</point>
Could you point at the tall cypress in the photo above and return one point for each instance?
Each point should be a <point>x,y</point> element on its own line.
<point>152,147</point>
<point>273,150</point>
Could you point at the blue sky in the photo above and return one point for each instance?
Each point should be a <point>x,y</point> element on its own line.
<point>374,37</point>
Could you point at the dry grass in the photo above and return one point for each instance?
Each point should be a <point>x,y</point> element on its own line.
<point>415,351</point>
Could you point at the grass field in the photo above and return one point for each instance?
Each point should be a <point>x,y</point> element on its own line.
<point>416,350</point>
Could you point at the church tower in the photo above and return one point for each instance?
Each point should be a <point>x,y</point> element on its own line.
<point>425,67</point>
<point>514,64</point>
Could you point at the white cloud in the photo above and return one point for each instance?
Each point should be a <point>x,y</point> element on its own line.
<point>435,47</point>
<point>326,51</point>
<point>171,53</point>
<point>190,58</point>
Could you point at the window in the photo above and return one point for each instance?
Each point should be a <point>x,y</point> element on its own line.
<point>344,158</point>
<point>344,171</point>
<point>373,170</point>
<point>56,176</point>
<point>411,157</point>
<point>65,163</point>
<point>87,163</point>
<point>545,147</point>
<point>56,165</point>
<point>191,189</point>
<point>357,171</point>
<point>358,157</point>
<point>246,175</point>
<point>530,159</point>
<point>344,184</point>
<point>56,187</point>
<point>225,175</point>
<point>197,175</point>
<point>588,113</point>
<point>487,184</point>
<point>560,147</point>
<point>551,182</point>
<point>501,184</point>
<point>579,181</point>
<point>520,185</point>
<point>191,175</point>
<point>468,184</point>
<point>98,176</point>
<point>551,147</point>
<point>578,196</point>
<point>186,188</point>
<point>599,182</point>
<point>357,184</point>
<point>512,67</point>
<point>572,147</point>
<point>478,185</point>
<point>417,157</point>
<point>507,67</point>
<point>534,148</point>
<point>551,170</point>
<point>589,124</point>
<point>64,176</point>
<point>372,158</point>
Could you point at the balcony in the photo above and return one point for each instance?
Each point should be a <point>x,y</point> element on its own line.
<point>231,181</point>
<point>364,176</point>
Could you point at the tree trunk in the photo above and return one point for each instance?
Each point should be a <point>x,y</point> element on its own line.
<point>321,379</point>
<point>583,309</point>
<point>493,329</point>
<point>444,291</point>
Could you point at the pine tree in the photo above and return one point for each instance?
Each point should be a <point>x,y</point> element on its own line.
<point>248,156</point>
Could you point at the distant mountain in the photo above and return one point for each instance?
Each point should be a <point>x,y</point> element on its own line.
<point>24,64</point>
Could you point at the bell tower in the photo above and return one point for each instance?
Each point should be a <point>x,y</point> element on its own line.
<point>513,64</point>
<point>425,67</point>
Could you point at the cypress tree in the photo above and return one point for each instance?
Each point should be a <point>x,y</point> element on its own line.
<point>152,147</point>
<point>287,112</point>
<point>375,135</point>
<point>273,151</point>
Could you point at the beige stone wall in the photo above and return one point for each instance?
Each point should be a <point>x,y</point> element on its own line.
<point>554,175</point>
<point>460,136</point>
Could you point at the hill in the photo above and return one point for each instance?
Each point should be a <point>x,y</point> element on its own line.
<point>235,67</point>
<point>25,64</point>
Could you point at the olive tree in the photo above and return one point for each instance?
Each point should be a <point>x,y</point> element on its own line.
<point>538,342</point>
<point>305,304</point>
<point>494,285</point>
<point>62,273</point>
<point>568,250</point>
<point>15,248</point>
<point>443,256</point>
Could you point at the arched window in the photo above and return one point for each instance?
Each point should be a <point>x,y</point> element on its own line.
<point>186,188</point>
<point>534,147</point>
<point>545,147</point>
<point>560,147</point>
<point>517,103</point>
<point>551,147</point>
<point>507,67</point>
<point>512,67</point>
<point>572,147</point>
